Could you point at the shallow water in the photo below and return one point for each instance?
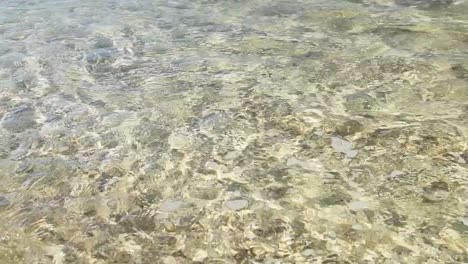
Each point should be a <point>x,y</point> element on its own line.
<point>233,131</point>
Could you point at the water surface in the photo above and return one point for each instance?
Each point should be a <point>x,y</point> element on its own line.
<point>215,131</point>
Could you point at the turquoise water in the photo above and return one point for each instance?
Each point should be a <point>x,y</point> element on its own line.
<point>234,131</point>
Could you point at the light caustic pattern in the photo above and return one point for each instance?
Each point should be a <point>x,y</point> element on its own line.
<point>213,131</point>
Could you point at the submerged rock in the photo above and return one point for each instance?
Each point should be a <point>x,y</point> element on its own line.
<point>335,198</point>
<point>464,220</point>
<point>100,56</point>
<point>208,193</point>
<point>437,186</point>
<point>280,8</point>
<point>20,119</point>
<point>396,174</point>
<point>349,127</point>
<point>459,71</point>
<point>103,42</point>
<point>435,192</point>
<point>237,204</point>
<point>217,121</point>
<point>200,255</point>
<point>400,38</point>
<point>343,146</point>
<point>179,141</point>
<point>426,4</point>
<point>171,205</point>
<point>4,202</point>
<point>307,165</point>
<point>358,205</point>
<point>360,101</point>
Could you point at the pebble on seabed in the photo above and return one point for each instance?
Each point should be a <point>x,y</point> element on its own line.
<point>103,42</point>
<point>171,205</point>
<point>237,204</point>
<point>343,146</point>
<point>20,120</point>
<point>4,202</point>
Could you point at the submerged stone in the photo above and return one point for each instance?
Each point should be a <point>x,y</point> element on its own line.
<point>217,121</point>
<point>396,174</point>
<point>308,252</point>
<point>308,165</point>
<point>400,38</point>
<point>358,205</point>
<point>200,255</point>
<point>336,198</point>
<point>103,42</point>
<point>464,220</point>
<point>100,56</point>
<point>280,8</point>
<point>426,4</point>
<point>277,192</point>
<point>437,186</point>
<point>179,141</point>
<point>360,101</point>
<point>20,120</point>
<point>349,127</point>
<point>208,193</point>
<point>4,202</point>
<point>171,205</point>
<point>237,204</point>
<point>459,71</point>
<point>435,192</point>
<point>343,146</point>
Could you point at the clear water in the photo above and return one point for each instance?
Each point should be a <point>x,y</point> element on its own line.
<point>211,131</point>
